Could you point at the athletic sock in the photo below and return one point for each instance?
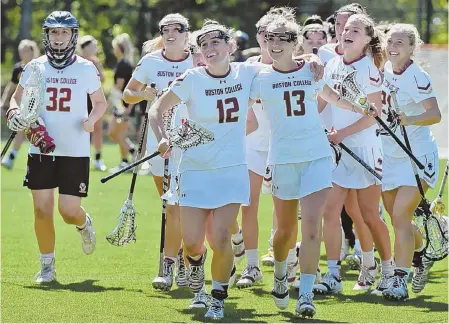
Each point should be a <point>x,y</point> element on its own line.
<point>387,267</point>
<point>98,156</point>
<point>280,269</point>
<point>368,259</point>
<point>334,267</point>
<point>13,154</point>
<point>252,257</point>
<point>306,283</point>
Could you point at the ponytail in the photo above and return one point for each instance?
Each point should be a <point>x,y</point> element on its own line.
<point>152,45</point>
<point>377,49</point>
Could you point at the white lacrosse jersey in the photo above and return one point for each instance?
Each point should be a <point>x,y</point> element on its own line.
<point>370,81</point>
<point>156,67</point>
<point>259,139</point>
<point>219,104</point>
<point>65,104</point>
<point>289,100</point>
<point>412,87</point>
<point>326,53</point>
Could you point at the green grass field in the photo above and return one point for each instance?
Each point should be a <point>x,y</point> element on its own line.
<point>114,284</point>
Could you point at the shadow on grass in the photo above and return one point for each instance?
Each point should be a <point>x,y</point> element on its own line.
<point>84,286</point>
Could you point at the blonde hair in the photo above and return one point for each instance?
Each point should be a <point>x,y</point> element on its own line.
<point>376,46</point>
<point>83,40</point>
<point>287,13</point>
<point>291,26</point>
<point>412,34</point>
<point>152,45</point>
<point>210,25</point>
<point>26,43</point>
<point>123,42</point>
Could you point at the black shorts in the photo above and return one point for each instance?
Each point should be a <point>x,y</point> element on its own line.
<point>69,174</point>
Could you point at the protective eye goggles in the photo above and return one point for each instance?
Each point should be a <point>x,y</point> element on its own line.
<point>180,29</point>
<point>221,35</point>
<point>283,37</point>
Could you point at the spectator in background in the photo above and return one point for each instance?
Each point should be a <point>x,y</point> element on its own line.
<point>88,49</point>
<point>27,51</point>
<point>242,40</point>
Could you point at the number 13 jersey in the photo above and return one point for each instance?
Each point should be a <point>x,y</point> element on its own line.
<point>289,100</point>
<point>220,104</point>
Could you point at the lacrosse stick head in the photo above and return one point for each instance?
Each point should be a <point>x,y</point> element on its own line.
<point>436,229</point>
<point>350,90</point>
<point>125,232</point>
<point>34,93</point>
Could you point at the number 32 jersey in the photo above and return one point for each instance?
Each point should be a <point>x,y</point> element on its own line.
<point>65,104</point>
<point>289,100</point>
<point>220,104</point>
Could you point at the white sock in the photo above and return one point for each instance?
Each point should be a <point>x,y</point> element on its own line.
<point>48,255</point>
<point>357,246</point>
<point>252,257</point>
<point>306,283</point>
<point>174,259</point>
<point>387,267</point>
<point>280,269</point>
<point>334,267</point>
<point>237,238</point>
<point>217,285</point>
<point>291,258</point>
<point>82,226</point>
<point>368,259</point>
<point>13,153</point>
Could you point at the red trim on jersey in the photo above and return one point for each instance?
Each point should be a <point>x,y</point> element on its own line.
<point>422,88</point>
<point>353,61</point>
<point>300,63</point>
<point>404,69</point>
<point>218,76</point>
<point>165,57</point>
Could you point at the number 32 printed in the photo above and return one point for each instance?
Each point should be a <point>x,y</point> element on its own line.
<point>59,99</point>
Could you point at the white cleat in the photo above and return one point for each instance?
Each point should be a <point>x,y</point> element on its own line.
<point>329,284</point>
<point>382,284</point>
<point>251,275</point>
<point>216,309</point>
<point>420,275</point>
<point>354,261</point>
<point>292,268</point>
<point>200,300</point>
<point>88,239</point>
<point>100,166</point>
<point>304,306</point>
<point>239,251</point>
<point>48,271</point>
<point>7,162</point>
<point>268,259</point>
<point>165,282</point>
<point>181,271</point>
<point>280,292</point>
<point>396,286</point>
<point>366,279</point>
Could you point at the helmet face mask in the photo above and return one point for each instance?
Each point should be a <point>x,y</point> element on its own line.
<point>56,23</point>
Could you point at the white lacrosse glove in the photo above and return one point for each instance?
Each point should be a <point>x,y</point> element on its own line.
<point>15,121</point>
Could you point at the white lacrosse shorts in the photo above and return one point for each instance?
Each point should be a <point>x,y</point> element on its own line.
<point>399,171</point>
<point>157,163</point>
<point>352,175</point>
<point>257,161</point>
<point>210,189</point>
<point>297,180</point>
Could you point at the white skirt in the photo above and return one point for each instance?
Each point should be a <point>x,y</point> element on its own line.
<point>210,189</point>
<point>257,161</point>
<point>297,180</point>
<point>399,171</point>
<point>352,175</point>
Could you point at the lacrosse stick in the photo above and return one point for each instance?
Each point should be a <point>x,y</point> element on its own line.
<point>351,92</point>
<point>437,206</point>
<point>355,157</point>
<point>125,232</point>
<point>433,228</point>
<point>32,99</point>
<point>163,220</point>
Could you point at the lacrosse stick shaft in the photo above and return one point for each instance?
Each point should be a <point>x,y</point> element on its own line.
<point>163,220</point>
<point>8,144</point>
<point>358,159</point>
<point>443,182</point>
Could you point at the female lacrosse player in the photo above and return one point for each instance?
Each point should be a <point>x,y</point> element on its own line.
<point>166,60</point>
<point>27,51</point>
<point>121,111</point>
<point>299,157</point>
<point>69,78</point>
<point>314,35</point>
<point>418,109</point>
<point>361,45</point>
<point>88,50</point>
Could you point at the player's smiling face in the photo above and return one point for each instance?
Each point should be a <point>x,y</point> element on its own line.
<point>354,37</point>
<point>214,49</point>
<point>314,39</point>
<point>59,38</point>
<point>279,43</point>
<point>399,48</point>
<point>173,37</point>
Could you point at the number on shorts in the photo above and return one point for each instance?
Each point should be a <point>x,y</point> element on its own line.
<point>301,106</point>
<point>58,101</point>
<point>229,111</point>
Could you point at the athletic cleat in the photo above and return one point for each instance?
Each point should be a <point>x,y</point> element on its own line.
<point>366,279</point>
<point>200,299</point>
<point>88,239</point>
<point>382,284</point>
<point>396,286</point>
<point>239,251</point>
<point>420,275</point>
<point>122,165</point>
<point>7,162</point>
<point>216,309</point>
<point>181,275</point>
<point>99,165</point>
<point>251,275</point>
<point>165,282</point>
<point>280,292</point>
<point>304,306</point>
<point>318,278</point>
<point>268,259</point>
<point>292,268</point>
<point>47,273</point>
<point>329,284</point>
<point>195,274</point>
<point>233,276</point>
<point>354,260</point>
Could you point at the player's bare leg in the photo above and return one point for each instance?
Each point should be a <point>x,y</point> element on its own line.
<point>268,259</point>
<point>117,132</point>
<point>8,160</point>
<point>97,140</point>
<point>43,202</point>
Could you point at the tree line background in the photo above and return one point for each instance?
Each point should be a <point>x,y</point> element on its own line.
<point>104,19</point>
